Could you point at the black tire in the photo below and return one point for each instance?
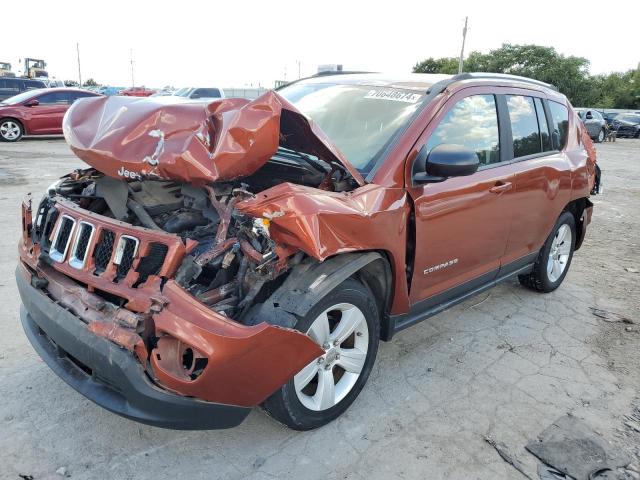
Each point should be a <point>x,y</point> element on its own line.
<point>284,405</point>
<point>601,136</point>
<point>538,279</point>
<point>5,121</point>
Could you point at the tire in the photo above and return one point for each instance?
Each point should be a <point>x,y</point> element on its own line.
<point>11,130</point>
<point>300,403</point>
<point>555,257</point>
<point>601,136</point>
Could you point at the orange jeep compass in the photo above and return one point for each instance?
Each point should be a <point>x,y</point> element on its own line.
<point>221,255</point>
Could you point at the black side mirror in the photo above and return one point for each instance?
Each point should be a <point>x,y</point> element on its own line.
<point>195,95</point>
<point>589,116</point>
<point>32,103</point>
<point>444,161</point>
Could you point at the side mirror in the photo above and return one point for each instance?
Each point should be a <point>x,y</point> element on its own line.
<point>444,161</point>
<point>195,95</point>
<point>32,103</point>
<point>589,116</point>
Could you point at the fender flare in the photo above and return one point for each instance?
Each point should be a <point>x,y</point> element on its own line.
<point>307,284</point>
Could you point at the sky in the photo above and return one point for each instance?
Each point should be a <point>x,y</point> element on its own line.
<point>244,43</point>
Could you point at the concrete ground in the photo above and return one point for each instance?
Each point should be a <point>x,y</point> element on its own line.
<point>504,364</point>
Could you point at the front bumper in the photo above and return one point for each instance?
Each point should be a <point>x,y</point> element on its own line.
<point>109,375</point>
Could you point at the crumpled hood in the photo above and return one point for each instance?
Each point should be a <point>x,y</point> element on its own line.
<point>191,141</point>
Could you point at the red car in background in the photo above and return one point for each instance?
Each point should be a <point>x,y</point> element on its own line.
<point>37,112</point>
<point>137,92</point>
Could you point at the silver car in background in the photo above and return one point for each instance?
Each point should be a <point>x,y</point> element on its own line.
<point>594,122</point>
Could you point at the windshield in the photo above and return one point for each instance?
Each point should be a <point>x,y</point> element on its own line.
<point>359,120</point>
<point>21,97</point>
<point>629,118</point>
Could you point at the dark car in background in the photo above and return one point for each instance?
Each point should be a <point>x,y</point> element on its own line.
<point>37,112</point>
<point>594,122</point>
<point>13,86</point>
<point>627,125</point>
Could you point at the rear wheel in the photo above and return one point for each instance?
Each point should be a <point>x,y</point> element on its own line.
<point>345,324</point>
<point>10,130</point>
<point>555,257</point>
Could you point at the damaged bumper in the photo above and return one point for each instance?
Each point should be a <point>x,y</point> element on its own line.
<point>107,374</point>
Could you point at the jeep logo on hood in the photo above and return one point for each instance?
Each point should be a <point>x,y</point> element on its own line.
<point>123,172</point>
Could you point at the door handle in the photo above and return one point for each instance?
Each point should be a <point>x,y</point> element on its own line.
<point>500,187</point>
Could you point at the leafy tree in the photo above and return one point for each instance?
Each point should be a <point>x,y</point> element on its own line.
<point>70,83</point>
<point>91,83</point>
<point>570,74</point>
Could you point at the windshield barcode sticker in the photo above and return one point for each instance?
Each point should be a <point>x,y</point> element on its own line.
<point>394,95</point>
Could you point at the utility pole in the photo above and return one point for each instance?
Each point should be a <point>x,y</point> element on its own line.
<point>464,37</point>
<point>299,76</point>
<point>79,72</point>
<point>133,83</point>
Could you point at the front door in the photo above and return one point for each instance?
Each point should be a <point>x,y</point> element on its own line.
<point>462,224</point>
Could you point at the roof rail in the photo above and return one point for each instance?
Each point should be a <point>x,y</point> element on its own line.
<point>440,86</point>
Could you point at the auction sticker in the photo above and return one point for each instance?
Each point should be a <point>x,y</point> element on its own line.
<point>394,95</point>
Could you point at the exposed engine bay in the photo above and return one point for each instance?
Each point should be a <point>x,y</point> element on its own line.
<point>231,262</point>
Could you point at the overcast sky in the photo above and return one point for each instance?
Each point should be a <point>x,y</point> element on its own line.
<point>240,43</point>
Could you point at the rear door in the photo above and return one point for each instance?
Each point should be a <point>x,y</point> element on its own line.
<point>46,118</point>
<point>462,224</point>
<point>540,132</point>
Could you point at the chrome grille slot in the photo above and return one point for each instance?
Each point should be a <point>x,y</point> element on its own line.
<point>126,251</point>
<point>103,251</point>
<point>81,245</point>
<point>61,239</point>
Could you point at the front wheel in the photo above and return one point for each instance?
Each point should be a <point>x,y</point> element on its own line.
<point>10,130</point>
<point>554,258</point>
<point>345,324</point>
<point>601,136</point>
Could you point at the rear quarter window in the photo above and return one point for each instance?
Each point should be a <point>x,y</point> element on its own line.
<point>560,124</point>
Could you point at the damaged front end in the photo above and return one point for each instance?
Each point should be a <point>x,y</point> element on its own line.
<point>153,265</point>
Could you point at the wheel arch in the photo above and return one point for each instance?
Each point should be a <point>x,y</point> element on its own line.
<point>311,281</point>
<point>577,208</point>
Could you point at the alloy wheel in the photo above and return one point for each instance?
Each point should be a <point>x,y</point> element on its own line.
<point>9,130</point>
<point>559,253</point>
<point>601,136</point>
<point>343,333</point>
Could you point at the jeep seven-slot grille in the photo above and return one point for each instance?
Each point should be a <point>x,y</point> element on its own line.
<point>86,245</point>
<point>103,251</point>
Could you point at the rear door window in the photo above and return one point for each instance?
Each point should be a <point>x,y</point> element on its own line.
<point>472,123</point>
<point>524,126</point>
<point>560,124</point>
<point>73,96</point>
<point>545,134</point>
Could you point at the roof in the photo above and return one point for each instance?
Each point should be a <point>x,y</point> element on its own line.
<point>422,81</point>
<point>412,81</point>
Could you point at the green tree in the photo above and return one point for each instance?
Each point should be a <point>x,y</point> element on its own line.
<point>70,83</point>
<point>570,74</point>
<point>91,83</point>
